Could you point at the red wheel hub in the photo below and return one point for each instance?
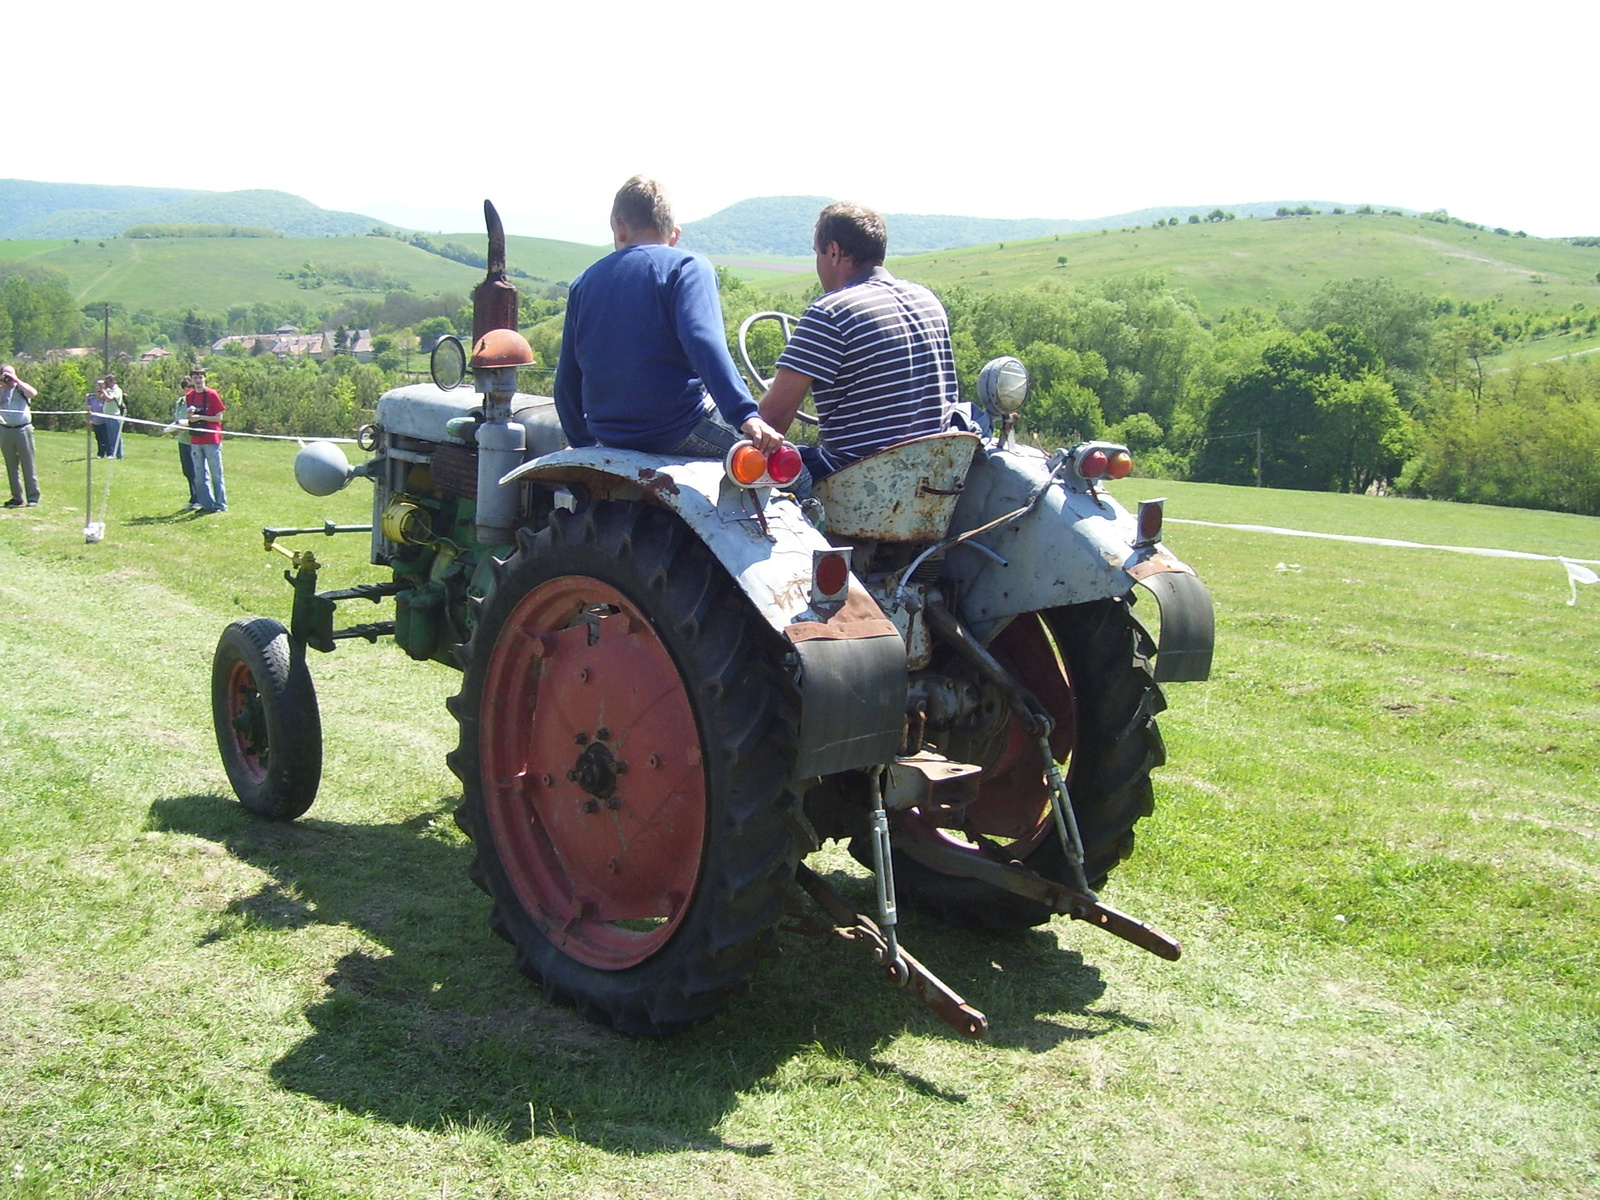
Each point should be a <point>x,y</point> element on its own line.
<point>1013,803</point>
<point>248,721</point>
<point>592,775</point>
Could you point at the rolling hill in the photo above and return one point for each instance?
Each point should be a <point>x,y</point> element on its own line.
<point>781,226</point>
<point>30,210</point>
<point>1231,264</point>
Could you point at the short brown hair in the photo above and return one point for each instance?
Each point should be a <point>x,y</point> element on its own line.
<point>642,204</point>
<point>858,230</point>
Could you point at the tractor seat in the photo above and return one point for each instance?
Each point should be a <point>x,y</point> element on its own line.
<point>907,493</point>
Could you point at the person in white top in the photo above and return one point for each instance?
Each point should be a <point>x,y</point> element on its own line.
<point>16,437</point>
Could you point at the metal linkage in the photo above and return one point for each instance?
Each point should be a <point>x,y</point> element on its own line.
<point>901,968</point>
<point>1066,819</point>
<point>1015,878</point>
<point>883,862</point>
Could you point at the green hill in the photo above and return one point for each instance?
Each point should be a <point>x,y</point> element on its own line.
<point>273,210</point>
<point>1231,264</point>
<point>25,202</point>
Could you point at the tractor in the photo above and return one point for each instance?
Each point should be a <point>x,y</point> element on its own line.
<point>678,680</point>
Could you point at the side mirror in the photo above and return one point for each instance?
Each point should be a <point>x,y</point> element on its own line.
<point>448,362</point>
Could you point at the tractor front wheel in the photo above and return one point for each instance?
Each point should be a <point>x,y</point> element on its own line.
<point>264,709</point>
<point>627,735</point>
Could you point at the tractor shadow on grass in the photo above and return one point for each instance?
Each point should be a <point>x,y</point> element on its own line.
<point>426,1023</point>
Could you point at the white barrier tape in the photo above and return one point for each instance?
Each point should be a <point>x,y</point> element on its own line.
<point>166,426</point>
<point>1576,573</point>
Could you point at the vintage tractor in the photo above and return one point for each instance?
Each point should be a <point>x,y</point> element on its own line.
<point>678,680</point>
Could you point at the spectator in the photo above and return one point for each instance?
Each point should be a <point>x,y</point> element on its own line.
<point>16,438</point>
<point>205,410</point>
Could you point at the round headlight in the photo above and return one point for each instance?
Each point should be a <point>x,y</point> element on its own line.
<point>1002,386</point>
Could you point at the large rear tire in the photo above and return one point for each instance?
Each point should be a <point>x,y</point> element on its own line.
<point>1104,698</point>
<point>264,709</point>
<point>627,735</point>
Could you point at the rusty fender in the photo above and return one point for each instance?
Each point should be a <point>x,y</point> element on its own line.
<point>1075,545</point>
<point>852,661</point>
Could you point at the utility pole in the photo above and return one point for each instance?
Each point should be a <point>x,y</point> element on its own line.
<point>105,351</point>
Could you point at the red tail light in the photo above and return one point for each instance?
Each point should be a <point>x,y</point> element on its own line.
<point>830,575</point>
<point>785,464</point>
<point>748,467</point>
<point>1102,460</point>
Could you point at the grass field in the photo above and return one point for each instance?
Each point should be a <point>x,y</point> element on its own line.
<point>1263,263</point>
<point>1378,836</point>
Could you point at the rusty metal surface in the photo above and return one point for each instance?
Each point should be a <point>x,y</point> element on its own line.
<point>907,493</point>
<point>919,982</point>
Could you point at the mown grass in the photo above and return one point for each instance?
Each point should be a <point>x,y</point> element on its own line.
<point>1376,835</point>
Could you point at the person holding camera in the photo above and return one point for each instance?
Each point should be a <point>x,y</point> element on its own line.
<point>16,438</point>
<point>106,410</point>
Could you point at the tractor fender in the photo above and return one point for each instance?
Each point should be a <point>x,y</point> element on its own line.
<point>852,660</point>
<point>1075,545</point>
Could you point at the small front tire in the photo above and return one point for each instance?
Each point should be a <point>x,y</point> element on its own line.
<point>264,709</point>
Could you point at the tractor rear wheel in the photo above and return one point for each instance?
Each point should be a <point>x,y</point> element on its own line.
<point>264,708</point>
<point>627,736</point>
<point>1092,672</point>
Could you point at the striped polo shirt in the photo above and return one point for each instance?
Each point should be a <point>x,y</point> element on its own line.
<point>877,351</point>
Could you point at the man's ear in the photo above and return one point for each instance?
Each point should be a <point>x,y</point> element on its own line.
<point>619,233</point>
<point>677,231</point>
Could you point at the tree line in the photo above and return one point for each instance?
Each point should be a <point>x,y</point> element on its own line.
<point>1366,385</point>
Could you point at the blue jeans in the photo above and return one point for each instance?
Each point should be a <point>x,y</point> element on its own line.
<point>186,461</point>
<point>209,491</point>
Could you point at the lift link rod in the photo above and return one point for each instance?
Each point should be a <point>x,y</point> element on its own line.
<point>1015,878</point>
<point>917,979</point>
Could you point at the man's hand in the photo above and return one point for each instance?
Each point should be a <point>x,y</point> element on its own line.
<point>766,438</point>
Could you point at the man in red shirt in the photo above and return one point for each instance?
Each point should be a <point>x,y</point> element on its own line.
<point>205,437</point>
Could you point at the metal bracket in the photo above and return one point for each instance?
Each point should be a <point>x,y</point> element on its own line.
<point>1017,879</point>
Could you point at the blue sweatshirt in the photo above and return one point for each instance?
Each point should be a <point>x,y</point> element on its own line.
<point>642,344</point>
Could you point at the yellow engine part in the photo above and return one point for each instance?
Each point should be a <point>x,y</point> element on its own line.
<point>407,522</point>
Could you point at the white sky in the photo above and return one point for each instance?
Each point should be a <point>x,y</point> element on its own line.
<point>996,108</point>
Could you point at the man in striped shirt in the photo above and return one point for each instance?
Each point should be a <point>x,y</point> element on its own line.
<point>874,351</point>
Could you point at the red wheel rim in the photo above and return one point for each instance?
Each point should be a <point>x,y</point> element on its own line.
<point>247,721</point>
<point>592,776</point>
<point>1013,804</point>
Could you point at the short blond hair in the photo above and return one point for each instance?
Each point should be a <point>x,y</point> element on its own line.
<point>641,204</point>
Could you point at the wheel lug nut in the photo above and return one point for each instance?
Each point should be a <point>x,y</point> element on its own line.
<point>582,739</point>
<point>603,734</point>
<point>572,777</point>
<point>613,802</point>
<point>591,806</point>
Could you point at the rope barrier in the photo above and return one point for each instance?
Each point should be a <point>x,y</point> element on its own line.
<point>1577,568</point>
<point>171,427</point>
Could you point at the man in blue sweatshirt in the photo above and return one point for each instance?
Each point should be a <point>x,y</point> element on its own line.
<point>644,343</point>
